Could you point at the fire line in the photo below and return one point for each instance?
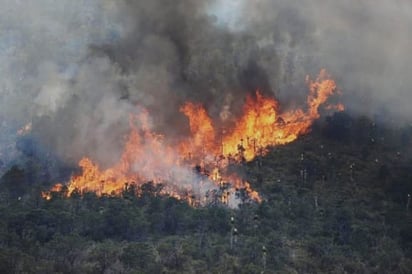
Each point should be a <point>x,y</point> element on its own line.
<point>196,169</point>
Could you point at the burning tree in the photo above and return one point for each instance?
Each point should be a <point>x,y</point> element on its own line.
<point>196,168</point>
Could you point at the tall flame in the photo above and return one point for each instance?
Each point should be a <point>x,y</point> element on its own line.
<point>197,166</point>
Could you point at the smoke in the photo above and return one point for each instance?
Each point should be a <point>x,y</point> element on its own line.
<point>77,69</point>
<point>365,45</point>
<point>43,49</point>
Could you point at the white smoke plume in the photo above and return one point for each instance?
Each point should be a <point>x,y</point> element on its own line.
<point>366,45</point>
<point>77,68</point>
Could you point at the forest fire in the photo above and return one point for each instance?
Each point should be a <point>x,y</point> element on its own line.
<point>197,168</point>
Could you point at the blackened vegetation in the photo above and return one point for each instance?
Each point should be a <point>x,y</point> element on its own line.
<point>336,200</point>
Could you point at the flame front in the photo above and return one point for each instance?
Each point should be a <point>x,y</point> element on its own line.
<point>197,166</point>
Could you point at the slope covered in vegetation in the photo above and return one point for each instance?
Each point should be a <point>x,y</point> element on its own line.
<point>334,201</point>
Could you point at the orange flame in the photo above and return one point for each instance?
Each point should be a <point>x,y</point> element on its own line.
<point>148,157</point>
<point>203,136</point>
<point>48,194</point>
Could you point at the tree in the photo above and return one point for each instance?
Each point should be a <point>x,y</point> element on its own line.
<point>67,253</point>
<point>105,256</point>
<point>140,257</point>
<point>338,127</point>
<point>14,182</point>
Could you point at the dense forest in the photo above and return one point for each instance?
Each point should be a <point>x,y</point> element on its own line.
<point>335,201</point>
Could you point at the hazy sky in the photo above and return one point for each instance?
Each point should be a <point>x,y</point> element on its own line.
<point>77,68</point>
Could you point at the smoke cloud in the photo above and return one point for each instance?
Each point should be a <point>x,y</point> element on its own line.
<point>364,45</point>
<point>77,69</point>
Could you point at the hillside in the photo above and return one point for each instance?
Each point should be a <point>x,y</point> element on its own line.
<point>334,201</point>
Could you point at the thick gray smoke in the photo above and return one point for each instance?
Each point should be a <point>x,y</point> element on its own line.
<point>76,69</point>
<point>365,45</point>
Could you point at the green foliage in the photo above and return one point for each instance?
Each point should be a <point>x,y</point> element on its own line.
<point>14,182</point>
<point>331,204</point>
<point>140,257</point>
